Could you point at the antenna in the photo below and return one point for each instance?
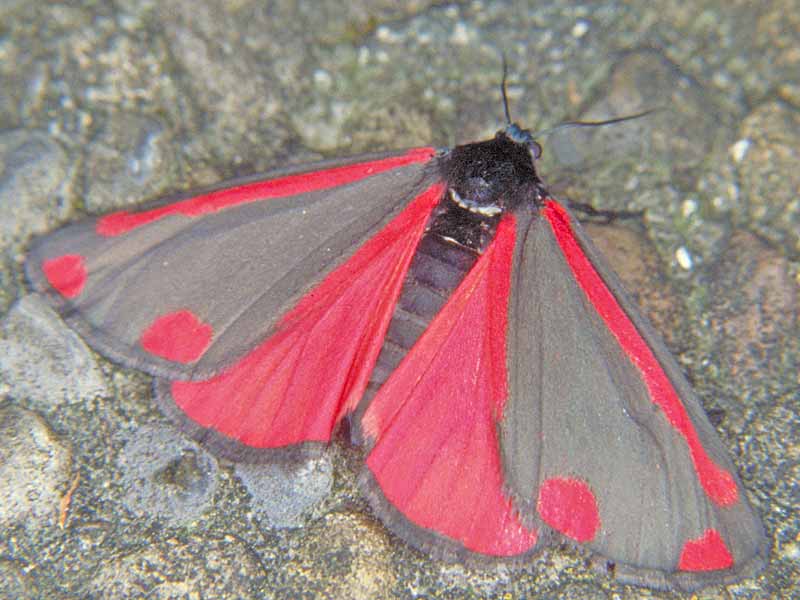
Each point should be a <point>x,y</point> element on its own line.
<point>570,124</point>
<point>503,89</point>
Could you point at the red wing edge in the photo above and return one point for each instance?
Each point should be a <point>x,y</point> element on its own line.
<point>434,471</point>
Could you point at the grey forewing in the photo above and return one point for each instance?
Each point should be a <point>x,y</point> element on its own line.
<point>738,524</point>
<point>257,260</point>
<point>578,408</point>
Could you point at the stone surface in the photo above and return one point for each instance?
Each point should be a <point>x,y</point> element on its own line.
<point>176,568</point>
<point>754,300</point>
<point>108,95</point>
<point>15,583</point>
<point>284,493</point>
<point>770,179</point>
<point>33,179</point>
<point>166,476</point>
<point>128,168</point>
<point>44,361</point>
<point>356,559</point>
<point>34,468</point>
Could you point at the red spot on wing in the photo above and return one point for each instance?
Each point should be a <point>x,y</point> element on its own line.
<point>66,274</point>
<point>123,221</point>
<point>179,336</point>
<point>297,385</point>
<point>706,553</point>
<point>718,483</point>
<point>436,454</point>
<point>569,506</point>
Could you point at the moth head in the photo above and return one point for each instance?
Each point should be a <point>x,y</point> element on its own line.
<point>491,177</point>
<point>523,136</point>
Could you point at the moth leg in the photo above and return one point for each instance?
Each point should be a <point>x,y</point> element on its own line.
<point>604,216</point>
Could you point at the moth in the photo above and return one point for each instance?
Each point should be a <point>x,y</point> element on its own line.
<point>508,394</point>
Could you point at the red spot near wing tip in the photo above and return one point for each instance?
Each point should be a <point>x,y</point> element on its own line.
<point>569,506</point>
<point>178,336</point>
<point>66,274</point>
<point>706,553</point>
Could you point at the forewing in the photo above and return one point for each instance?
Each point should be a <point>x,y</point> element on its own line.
<point>297,384</point>
<point>186,287</point>
<point>602,438</point>
<point>434,470</point>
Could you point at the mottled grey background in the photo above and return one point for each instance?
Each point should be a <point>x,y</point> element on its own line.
<point>104,104</point>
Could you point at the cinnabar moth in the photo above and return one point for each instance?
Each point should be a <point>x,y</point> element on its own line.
<point>509,394</point>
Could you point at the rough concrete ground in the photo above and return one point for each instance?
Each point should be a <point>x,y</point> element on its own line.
<point>107,104</point>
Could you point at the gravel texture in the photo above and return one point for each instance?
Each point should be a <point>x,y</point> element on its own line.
<point>103,105</point>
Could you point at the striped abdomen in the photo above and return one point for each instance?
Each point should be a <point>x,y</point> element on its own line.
<point>453,241</point>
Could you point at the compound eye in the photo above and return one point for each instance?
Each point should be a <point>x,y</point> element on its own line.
<point>535,149</point>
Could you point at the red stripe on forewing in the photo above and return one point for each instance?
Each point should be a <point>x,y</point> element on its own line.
<point>66,274</point>
<point>718,483</point>
<point>706,553</point>
<point>297,385</point>
<point>569,506</point>
<point>123,221</point>
<point>178,336</point>
<point>434,421</point>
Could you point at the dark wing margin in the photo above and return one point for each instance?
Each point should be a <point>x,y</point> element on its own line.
<point>602,439</point>
<point>191,284</point>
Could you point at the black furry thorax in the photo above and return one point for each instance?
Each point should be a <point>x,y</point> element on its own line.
<point>494,176</point>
